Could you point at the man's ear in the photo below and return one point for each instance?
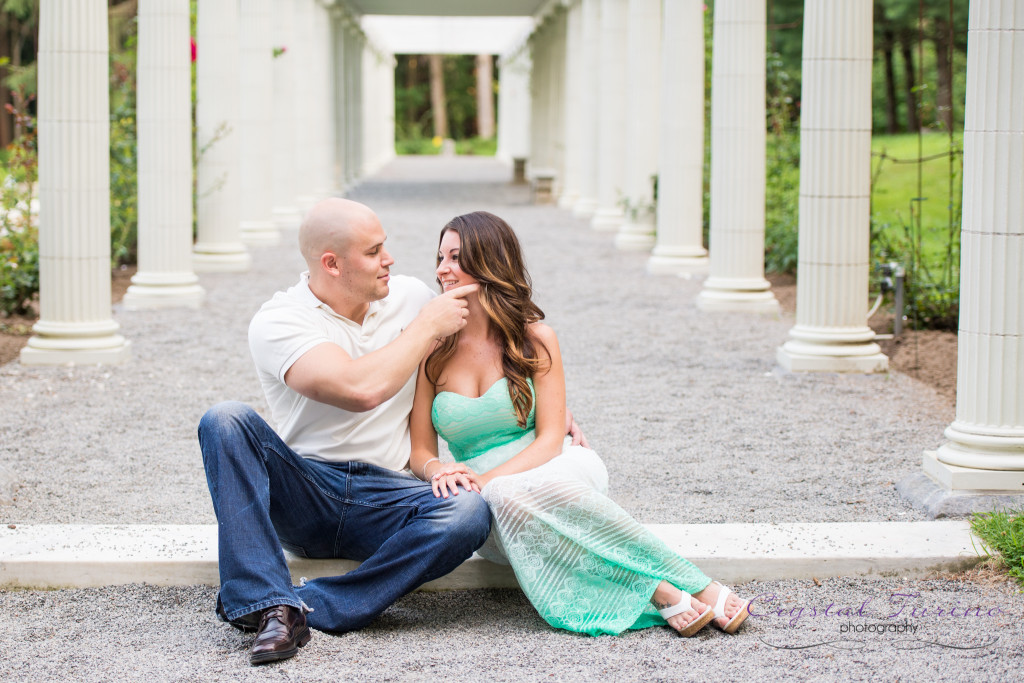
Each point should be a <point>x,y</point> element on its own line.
<point>329,262</point>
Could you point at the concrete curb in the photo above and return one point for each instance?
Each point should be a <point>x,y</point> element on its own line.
<point>77,556</point>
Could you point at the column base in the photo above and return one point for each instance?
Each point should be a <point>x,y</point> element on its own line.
<point>220,258</point>
<point>584,207</point>
<point>742,300</point>
<point>998,449</point>
<point>682,265</point>
<point>796,356</point>
<point>144,295</point>
<point>106,350</point>
<point>635,237</point>
<point>260,233</point>
<point>943,490</point>
<point>606,220</point>
<point>286,217</point>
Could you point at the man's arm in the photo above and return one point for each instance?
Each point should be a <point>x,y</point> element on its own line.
<point>327,374</point>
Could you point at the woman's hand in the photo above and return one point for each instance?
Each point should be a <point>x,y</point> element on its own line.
<point>450,476</point>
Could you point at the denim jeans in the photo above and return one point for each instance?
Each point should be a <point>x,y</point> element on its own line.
<point>266,496</point>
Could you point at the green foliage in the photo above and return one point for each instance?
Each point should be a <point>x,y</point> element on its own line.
<point>1002,534</point>
<point>124,214</point>
<point>416,145</point>
<point>782,197</point>
<point>19,236</point>
<point>484,147</point>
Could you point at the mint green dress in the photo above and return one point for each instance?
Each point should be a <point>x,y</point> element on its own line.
<point>583,562</point>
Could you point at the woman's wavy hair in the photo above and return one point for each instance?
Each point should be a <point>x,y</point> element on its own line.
<point>489,251</point>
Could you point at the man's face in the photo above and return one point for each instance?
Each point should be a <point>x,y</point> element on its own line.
<point>365,263</point>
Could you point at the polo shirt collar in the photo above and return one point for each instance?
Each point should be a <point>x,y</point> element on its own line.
<point>307,297</point>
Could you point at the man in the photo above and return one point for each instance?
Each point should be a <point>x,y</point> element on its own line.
<point>337,356</point>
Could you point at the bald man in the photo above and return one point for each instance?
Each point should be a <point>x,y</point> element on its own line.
<point>337,356</point>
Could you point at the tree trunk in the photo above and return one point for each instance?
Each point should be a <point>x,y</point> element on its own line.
<point>484,97</point>
<point>438,101</point>
<point>909,83</point>
<point>6,119</point>
<point>891,124</point>
<point>944,66</point>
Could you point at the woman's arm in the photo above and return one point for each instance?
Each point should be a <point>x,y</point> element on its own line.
<point>549,386</point>
<point>423,460</point>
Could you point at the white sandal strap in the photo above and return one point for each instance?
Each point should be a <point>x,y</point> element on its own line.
<point>678,608</point>
<point>723,595</point>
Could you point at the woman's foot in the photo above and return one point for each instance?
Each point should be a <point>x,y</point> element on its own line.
<point>686,622</point>
<point>729,616</point>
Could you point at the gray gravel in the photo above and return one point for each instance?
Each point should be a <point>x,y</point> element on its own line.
<point>692,415</point>
<point>694,419</point>
<point>169,634</point>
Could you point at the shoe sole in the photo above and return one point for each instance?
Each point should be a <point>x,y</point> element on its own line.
<point>698,623</point>
<point>304,637</point>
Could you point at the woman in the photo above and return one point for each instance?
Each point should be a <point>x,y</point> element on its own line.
<point>496,393</point>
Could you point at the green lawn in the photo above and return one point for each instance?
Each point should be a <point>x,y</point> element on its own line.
<point>894,194</point>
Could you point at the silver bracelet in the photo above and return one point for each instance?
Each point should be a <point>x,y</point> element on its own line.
<point>423,471</point>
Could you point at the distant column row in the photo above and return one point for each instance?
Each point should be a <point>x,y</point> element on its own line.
<point>292,104</point>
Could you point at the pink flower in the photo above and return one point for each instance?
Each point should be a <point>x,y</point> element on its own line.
<point>193,41</point>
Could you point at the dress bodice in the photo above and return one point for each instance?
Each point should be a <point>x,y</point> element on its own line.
<point>482,432</point>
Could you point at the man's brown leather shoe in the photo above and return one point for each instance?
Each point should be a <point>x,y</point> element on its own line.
<point>282,632</point>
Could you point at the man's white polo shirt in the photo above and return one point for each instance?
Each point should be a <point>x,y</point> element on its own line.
<point>295,321</point>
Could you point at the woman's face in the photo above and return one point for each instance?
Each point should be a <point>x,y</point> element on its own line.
<point>449,273</point>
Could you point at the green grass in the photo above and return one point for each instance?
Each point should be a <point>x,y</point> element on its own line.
<point>894,193</point>
<point>1002,533</point>
<point>470,146</point>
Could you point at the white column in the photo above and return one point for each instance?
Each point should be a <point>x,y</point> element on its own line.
<point>611,116</point>
<point>680,237</point>
<point>586,122</point>
<point>304,104</point>
<point>831,332</point>
<point>540,131</point>
<point>338,38</point>
<point>256,124</point>
<point>736,280</point>
<point>285,210</point>
<point>323,138</point>
<point>985,450</point>
<point>164,120</point>
<point>75,323</point>
<point>514,105</point>
<point>643,80</point>
<point>218,247</point>
<point>573,87</point>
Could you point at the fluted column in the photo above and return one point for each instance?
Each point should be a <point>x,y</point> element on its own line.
<point>736,281</point>
<point>831,332</point>
<point>338,37</point>
<point>541,147</point>
<point>305,103</point>
<point>218,247</point>
<point>585,123</point>
<point>256,124</point>
<point>514,105</point>
<point>643,83</point>
<point>285,210</point>
<point>571,109</point>
<point>611,117</point>
<point>75,323</point>
<point>985,447</point>
<point>680,218</point>
<point>322,142</point>
<point>164,122</point>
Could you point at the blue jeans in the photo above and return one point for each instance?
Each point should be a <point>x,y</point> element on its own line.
<point>266,496</point>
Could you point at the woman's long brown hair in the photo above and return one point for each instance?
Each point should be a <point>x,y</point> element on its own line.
<point>489,251</point>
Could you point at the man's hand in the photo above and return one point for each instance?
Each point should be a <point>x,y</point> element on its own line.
<point>446,314</point>
<point>573,430</point>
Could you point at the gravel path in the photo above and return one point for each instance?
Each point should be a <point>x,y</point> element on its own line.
<point>692,415</point>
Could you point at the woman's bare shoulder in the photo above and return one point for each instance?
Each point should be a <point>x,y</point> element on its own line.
<point>543,332</point>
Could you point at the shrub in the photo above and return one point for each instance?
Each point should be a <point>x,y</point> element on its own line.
<point>19,236</point>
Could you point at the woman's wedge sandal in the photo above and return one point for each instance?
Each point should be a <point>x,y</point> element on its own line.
<point>736,621</point>
<point>683,605</point>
